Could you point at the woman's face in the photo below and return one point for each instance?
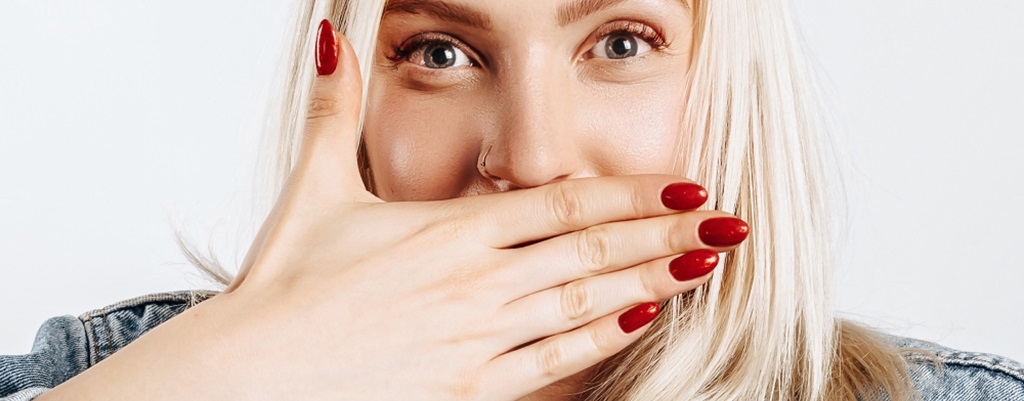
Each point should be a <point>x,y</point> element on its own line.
<point>547,90</point>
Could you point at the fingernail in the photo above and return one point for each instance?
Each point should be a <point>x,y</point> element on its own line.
<point>326,49</point>
<point>638,316</point>
<point>684,196</point>
<point>723,231</point>
<point>693,264</point>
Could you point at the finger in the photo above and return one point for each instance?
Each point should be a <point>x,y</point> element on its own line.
<point>542,212</point>
<point>327,164</point>
<point>525,370</point>
<point>613,246</point>
<point>326,171</point>
<point>574,304</point>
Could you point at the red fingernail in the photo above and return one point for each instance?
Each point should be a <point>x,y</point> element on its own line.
<point>684,196</point>
<point>638,316</point>
<point>326,49</point>
<point>693,264</point>
<point>723,231</point>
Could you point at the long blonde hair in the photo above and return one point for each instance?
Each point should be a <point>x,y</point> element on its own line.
<point>763,328</point>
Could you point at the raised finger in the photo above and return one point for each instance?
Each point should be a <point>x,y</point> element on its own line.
<point>326,172</point>
<point>327,164</point>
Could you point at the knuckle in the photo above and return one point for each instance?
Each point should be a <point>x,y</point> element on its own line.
<point>675,237</point>
<point>593,246</point>
<point>463,284</point>
<point>566,205</point>
<point>576,301</point>
<point>551,360</point>
<point>638,200</point>
<point>447,227</point>
<point>649,284</point>
<point>322,106</point>
<point>603,342</point>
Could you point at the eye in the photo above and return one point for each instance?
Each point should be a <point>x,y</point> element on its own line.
<point>620,45</point>
<point>443,55</point>
<point>435,54</point>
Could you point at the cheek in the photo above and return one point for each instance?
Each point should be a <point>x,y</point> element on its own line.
<point>419,149</point>
<point>634,129</point>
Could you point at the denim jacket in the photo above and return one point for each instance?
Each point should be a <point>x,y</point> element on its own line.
<point>67,345</point>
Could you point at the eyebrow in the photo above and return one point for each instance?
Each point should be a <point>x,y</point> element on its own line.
<point>576,10</point>
<point>450,12</point>
<point>568,12</point>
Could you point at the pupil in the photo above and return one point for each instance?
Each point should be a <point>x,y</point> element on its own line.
<point>439,55</point>
<point>621,46</point>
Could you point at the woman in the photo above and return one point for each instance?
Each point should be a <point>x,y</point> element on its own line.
<point>546,284</point>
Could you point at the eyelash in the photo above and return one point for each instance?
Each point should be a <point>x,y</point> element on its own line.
<point>643,31</point>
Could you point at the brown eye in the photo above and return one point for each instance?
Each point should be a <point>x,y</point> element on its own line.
<point>620,45</point>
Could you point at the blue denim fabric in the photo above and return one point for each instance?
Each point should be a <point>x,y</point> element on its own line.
<point>963,375</point>
<point>66,346</point>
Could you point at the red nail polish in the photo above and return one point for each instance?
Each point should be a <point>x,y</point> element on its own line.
<point>326,49</point>
<point>693,264</point>
<point>638,316</point>
<point>683,196</point>
<point>723,231</point>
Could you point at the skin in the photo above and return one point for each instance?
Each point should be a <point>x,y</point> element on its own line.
<point>506,295</point>
<point>541,100</point>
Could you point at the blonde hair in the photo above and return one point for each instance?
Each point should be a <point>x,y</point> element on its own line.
<point>763,328</point>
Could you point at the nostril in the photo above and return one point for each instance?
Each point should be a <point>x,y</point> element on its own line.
<point>528,158</point>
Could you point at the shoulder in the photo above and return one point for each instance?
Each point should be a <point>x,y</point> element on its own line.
<point>65,345</point>
<point>942,373</point>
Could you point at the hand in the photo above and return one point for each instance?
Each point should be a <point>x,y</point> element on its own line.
<point>489,297</point>
<point>429,300</point>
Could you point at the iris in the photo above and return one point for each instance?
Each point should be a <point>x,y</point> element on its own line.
<point>620,46</point>
<point>439,55</point>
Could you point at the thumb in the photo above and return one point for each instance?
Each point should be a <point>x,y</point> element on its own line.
<point>326,172</point>
<point>327,157</point>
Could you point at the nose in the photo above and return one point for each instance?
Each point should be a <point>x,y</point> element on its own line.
<point>534,142</point>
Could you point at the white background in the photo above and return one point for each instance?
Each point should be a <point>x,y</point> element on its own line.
<point>118,117</point>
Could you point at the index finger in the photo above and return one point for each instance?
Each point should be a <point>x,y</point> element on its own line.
<point>538,213</point>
